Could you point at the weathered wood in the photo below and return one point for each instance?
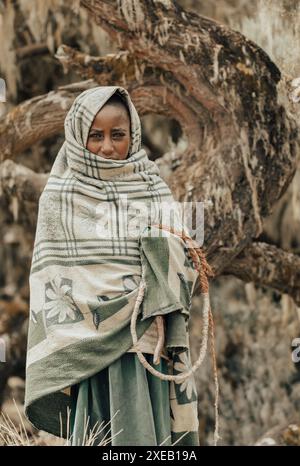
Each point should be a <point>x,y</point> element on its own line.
<point>17,180</point>
<point>267,265</point>
<point>220,86</point>
<point>37,119</point>
<point>244,154</point>
<point>32,50</point>
<point>232,104</point>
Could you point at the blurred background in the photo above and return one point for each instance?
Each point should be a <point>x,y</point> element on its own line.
<point>254,326</point>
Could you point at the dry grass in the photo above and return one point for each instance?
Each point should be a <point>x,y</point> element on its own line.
<point>13,434</point>
<point>17,435</point>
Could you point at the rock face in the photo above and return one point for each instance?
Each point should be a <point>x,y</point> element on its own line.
<point>259,382</point>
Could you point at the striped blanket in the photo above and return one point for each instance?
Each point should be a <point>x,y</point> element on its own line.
<point>92,239</point>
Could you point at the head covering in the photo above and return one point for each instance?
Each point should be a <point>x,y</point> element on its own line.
<point>86,266</point>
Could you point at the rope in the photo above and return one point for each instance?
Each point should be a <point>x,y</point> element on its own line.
<point>214,360</point>
<point>205,271</point>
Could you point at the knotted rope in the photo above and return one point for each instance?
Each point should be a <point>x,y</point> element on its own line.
<point>205,271</point>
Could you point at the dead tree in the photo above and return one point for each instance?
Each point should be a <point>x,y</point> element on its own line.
<point>231,102</point>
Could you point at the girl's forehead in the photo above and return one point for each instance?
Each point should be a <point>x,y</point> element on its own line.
<point>111,114</point>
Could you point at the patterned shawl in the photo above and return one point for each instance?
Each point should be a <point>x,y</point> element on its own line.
<point>86,267</point>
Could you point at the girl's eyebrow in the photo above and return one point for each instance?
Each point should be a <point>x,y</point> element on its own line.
<point>113,129</point>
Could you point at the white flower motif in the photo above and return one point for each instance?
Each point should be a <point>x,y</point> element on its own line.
<point>188,384</point>
<point>88,219</point>
<point>61,302</point>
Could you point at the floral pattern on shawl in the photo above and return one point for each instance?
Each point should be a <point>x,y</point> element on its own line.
<point>59,306</point>
<point>186,390</point>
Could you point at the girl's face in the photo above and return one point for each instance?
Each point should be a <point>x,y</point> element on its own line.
<point>109,135</point>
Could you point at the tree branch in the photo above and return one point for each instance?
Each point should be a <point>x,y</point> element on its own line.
<point>22,182</point>
<point>31,50</point>
<point>220,86</point>
<point>37,119</point>
<point>114,67</point>
<point>231,85</point>
<point>269,266</point>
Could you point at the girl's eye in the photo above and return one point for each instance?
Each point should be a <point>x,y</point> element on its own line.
<point>115,136</point>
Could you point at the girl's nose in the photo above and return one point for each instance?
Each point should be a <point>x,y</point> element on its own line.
<point>107,147</point>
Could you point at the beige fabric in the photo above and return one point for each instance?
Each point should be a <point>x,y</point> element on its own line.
<point>148,341</point>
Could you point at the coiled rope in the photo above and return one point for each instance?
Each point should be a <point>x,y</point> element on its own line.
<point>205,271</point>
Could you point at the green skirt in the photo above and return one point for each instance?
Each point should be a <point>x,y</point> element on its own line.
<point>125,405</point>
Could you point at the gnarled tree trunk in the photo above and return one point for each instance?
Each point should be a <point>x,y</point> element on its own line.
<point>231,102</point>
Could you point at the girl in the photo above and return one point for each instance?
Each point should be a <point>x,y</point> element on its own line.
<point>96,238</point>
